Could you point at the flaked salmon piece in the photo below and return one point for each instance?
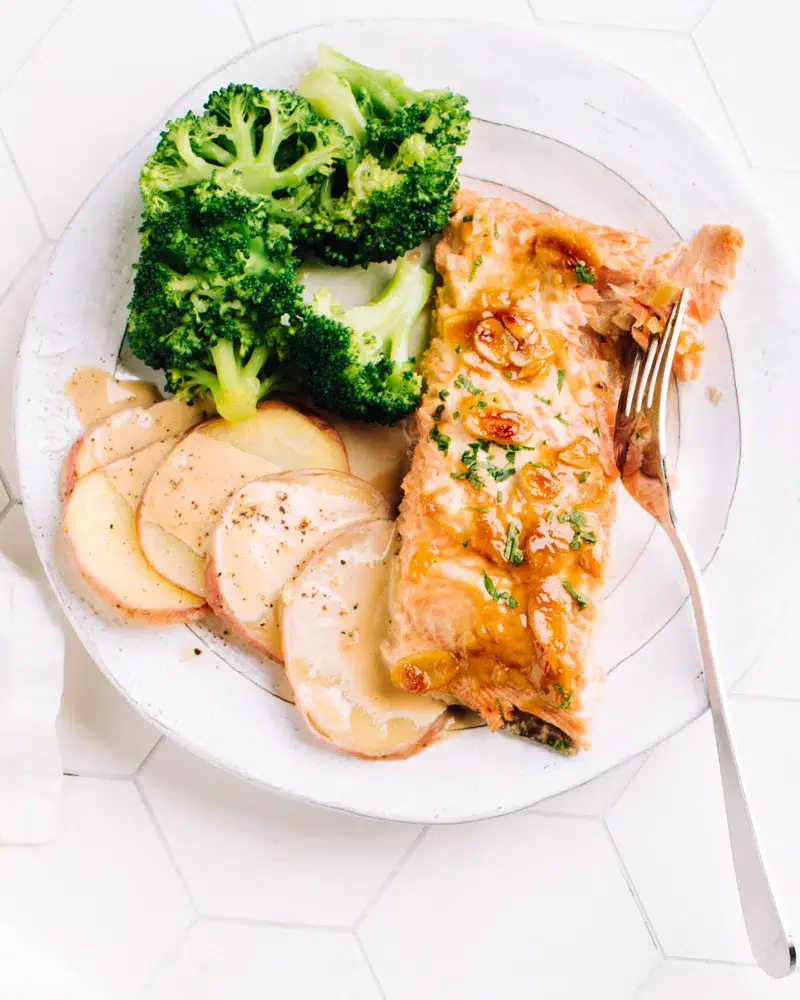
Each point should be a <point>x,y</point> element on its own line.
<point>707,266</point>
<point>510,497</point>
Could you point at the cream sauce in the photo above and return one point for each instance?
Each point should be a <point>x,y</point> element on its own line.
<point>95,394</point>
<point>335,617</point>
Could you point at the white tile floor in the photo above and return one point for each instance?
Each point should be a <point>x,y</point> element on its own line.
<point>173,881</point>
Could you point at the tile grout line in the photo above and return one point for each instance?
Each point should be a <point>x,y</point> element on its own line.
<point>35,47</point>
<point>288,925</point>
<point>722,103</point>
<point>633,891</point>
<point>147,757</point>
<point>730,963</point>
<point>370,966</point>
<point>243,19</point>
<point>645,758</point>
<point>647,978</point>
<point>390,877</point>
<point>165,844</point>
<point>168,955</point>
<point>23,183</point>
<point>702,17</point>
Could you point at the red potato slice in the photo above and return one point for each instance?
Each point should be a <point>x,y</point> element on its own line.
<point>100,524</point>
<point>333,619</point>
<point>266,532</point>
<point>123,433</point>
<point>188,491</point>
<point>379,455</point>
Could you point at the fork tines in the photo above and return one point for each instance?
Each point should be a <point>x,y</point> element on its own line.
<point>649,377</point>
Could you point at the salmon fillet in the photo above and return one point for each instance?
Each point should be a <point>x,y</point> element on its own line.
<point>511,493</point>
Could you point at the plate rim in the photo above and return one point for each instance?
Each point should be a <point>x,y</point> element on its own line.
<point>723,162</point>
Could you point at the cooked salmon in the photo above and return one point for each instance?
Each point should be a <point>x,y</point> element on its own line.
<point>511,494</point>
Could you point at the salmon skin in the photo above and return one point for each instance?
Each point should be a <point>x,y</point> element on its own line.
<point>511,495</point>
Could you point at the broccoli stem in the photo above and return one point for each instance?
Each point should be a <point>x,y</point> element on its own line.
<point>386,90</point>
<point>385,324</point>
<point>235,388</point>
<point>333,98</point>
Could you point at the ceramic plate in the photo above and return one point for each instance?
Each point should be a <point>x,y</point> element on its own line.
<point>561,128</point>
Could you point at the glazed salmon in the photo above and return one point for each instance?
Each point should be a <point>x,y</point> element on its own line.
<point>511,495</point>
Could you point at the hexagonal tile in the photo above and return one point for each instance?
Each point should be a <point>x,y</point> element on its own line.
<point>673,810</point>
<point>271,20</point>
<point>775,673</point>
<point>781,190</point>
<point>102,898</point>
<point>762,100</point>
<point>680,15</point>
<point>702,981</point>
<point>29,972</point>
<point>103,71</point>
<point>669,62</point>
<point>99,733</point>
<point>238,960</point>
<point>18,218</point>
<point>597,796</point>
<point>246,852</point>
<point>21,28</point>
<point>14,308</point>
<point>480,909</point>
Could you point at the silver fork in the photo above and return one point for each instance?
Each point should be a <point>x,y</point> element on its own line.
<point>641,449</point>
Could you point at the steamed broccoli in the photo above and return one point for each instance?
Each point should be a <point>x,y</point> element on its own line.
<point>213,298</point>
<point>397,186</point>
<point>268,145</point>
<point>358,362</point>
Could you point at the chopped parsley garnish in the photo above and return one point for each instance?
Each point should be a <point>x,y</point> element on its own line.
<point>511,552</point>
<point>496,232</point>
<point>500,475</point>
<point>549,517</point>
<point>584,273</point>
<point>481,404</point>
<point>471,476</point>
<point>578,522</point>
<point>596,430</point>
<point>583,477</point>
<point>443,394</point>
<point>480,510</point>
<point>543,399</point>
<point>467,218</point>
<point>464,544</point>
<point>500,596</point>
<point>438,411</point>
<point>565,696</point>
<point>458,348</point>
<point>508,374</point>
<point>442,441</point>
<point>475,265</point>
<point>562,419</point>
<point>456,415</point>
<point>562,374</point>
<point>499,496</point>
<point>579,599</point>
<point>465,383</point>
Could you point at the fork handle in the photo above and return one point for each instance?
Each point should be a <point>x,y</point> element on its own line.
<point>772,947</point>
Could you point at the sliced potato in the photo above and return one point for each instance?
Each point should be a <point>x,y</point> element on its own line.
<point>334,616</point>
<point>100,523</point>
<point>379,455</point>
<point>187,493</point>
<point>122,434</point>
<point>265,533</point>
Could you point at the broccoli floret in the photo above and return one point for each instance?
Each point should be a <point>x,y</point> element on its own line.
<point>212,301</point>
<point>358,362</point>
<point>398,185</point>
<point>267,145</point>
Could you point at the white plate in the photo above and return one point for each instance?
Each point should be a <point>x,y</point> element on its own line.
<point>583,136</point>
